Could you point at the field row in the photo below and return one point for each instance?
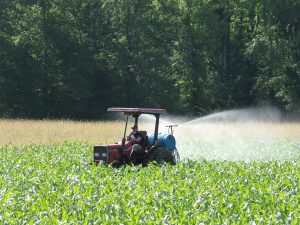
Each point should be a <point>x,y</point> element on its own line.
<point>55,185</point>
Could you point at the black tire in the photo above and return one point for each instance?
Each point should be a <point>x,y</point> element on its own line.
<point>165,156</point>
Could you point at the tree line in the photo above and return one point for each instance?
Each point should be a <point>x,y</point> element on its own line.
<point>75,58</point>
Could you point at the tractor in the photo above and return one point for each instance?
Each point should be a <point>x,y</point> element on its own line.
<point>157,147</point>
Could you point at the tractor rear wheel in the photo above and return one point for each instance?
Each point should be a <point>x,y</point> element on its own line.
<point>165,156</point>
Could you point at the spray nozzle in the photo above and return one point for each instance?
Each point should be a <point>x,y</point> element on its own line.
<point>170,128</point>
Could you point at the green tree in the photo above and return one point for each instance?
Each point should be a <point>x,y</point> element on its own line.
<point>75,58</point>
<point>139,54</point>
<point>275,48</point>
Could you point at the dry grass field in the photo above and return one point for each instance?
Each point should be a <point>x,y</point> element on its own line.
<point>21,132</point>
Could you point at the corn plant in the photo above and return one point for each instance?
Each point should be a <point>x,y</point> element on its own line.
<point>54,184</point>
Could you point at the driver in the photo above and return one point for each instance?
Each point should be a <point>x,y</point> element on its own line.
<point>135,136</point>
<point>136,139</point>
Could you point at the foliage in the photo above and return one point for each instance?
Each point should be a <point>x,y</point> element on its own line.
<point>54,185</point>
<point>75,58</point>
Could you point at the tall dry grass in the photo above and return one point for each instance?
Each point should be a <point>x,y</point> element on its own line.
<point>56,131</point>
<point>21,132</point>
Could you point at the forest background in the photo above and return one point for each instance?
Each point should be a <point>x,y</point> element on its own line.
<point>74,58</point>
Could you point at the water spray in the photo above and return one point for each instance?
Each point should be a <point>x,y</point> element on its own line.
<point>236,135</point>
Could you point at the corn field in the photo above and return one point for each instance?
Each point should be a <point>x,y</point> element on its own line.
<point>54,184</point>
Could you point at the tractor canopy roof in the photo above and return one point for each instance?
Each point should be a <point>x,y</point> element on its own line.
<point>137,111</point>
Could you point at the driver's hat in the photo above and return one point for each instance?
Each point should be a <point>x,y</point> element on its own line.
<point>135,126</point>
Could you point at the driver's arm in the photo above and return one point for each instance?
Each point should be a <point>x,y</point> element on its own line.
<point>136,139</point>
<point>130,137</point>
